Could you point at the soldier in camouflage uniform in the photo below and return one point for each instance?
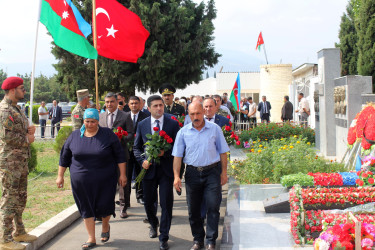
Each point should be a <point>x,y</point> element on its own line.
<point>15,138</point>
<point>83,97</point>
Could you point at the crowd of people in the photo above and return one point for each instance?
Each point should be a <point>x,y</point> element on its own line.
<point>99,161</point>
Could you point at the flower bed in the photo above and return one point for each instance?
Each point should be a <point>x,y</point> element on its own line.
<point>320,179</point>
<point>268,162</point>
<point>307,217</point>
<point>272,131</point>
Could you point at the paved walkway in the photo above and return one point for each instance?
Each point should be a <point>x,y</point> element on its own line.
<point>132,233</point>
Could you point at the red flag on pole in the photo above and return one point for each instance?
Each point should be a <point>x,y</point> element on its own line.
<point>260,41</point>
<point>121,35</point>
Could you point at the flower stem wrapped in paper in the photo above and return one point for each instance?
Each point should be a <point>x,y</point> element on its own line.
<point>157,143</point>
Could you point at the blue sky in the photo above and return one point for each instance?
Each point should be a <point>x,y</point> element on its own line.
<point>293,31</point>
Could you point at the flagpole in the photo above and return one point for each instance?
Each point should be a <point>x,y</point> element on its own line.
<point>33,67</point>
<point>265,53</point>
<point>95,46</point>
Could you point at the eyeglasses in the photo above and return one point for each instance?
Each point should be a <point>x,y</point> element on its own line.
<point>22,88</point>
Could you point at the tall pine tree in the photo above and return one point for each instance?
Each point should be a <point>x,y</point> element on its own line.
<point>348,42</point>
<point>366,39</point>
<point>180,48</point>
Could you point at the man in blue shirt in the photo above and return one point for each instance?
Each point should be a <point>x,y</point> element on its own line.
<point>205,147</point>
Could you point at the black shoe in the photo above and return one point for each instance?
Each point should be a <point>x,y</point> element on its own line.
<point>145,220</point>
<point>197,245</point>
<point>140,201</point>
<point>164,245</point>
<point>153,232</point>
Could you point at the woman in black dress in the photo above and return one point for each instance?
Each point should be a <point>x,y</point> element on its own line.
<point>95,157</point>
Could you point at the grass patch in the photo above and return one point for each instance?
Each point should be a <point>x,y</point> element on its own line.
<point>45,200</point>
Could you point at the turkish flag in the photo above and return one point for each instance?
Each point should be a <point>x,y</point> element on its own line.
<point>120,33</point>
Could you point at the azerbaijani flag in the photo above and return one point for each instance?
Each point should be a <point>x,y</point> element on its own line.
<point>260,41</point>
<point>67,27</point>
<point>235,95</point>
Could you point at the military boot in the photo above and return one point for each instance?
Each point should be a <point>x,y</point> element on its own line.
<point>12,246</point>
<point>25,238</point>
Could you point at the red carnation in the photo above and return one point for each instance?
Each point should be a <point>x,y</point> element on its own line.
<point>352,136</point>
<point>169,140</point>
<point>360,183</point>
<point>124,133</point>
<point>180,124</point>
<point>363,116</point>
<point>371,180</point>
<point>119,128</point>
<point>162,133</point>
<point>238,143</point>
<point>156,129</point>
<point>174,118</point>
<point>230,123</point>
<point>228,116</point>
<point>227,128</point>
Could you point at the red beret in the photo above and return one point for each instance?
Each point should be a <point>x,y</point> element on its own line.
<point>12,82</point>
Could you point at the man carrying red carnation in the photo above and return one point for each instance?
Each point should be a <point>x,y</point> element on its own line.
<point>158,175</point>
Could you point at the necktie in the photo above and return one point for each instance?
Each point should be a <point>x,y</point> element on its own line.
<point>265,107</point>
<point>134,120</point>
<point>169,108</point>
<point>111,120</point>
<point>157,124</point>
<point>54,112</point>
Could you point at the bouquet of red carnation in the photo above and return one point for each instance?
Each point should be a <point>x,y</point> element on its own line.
<point>120,132</point>
<point>230,137</point>
<point>157,142</point>
<point>180,120</point>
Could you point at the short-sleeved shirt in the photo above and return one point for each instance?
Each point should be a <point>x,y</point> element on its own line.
<point>43,110</point>
<point>303,104</point>
<point>252,107</point>
<point>202,148</point>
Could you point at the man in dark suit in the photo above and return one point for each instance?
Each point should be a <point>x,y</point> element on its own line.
<point>264,108</point>
<point>167,91</point>
<point>55,114</point>
<point>137,116</point>
<point>157,175</point>
<point>113,118</point>
<point>209,105</point>
<point>287,110</point>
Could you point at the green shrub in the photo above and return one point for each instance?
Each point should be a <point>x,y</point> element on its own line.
<point>301,179</point>
<point>35,114</point>
<point>272,131</point>
<point>33,161</point>
<point>64,133</point>
<point>268,162</point>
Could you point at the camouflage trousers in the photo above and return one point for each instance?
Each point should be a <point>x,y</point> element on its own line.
<point>13,178</point>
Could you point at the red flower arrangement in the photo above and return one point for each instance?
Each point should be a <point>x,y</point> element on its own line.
<point>314,220</point>
<point>366,178</point>
<point>230,136</point>
<point>352,136</point>
<point>327,179</point>
<point>120,132</point>
<point>363,116</point>
<point>369,132</point>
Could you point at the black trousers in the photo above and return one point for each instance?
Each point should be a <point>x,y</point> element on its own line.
<point>150,196</point>
<point>266,117</point>
<point>204,186</point>
<point>53,126</point>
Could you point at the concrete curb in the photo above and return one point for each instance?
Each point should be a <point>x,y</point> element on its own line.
<point>53,226</point>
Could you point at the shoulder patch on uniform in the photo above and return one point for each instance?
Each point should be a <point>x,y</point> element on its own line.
<point>11,118</point>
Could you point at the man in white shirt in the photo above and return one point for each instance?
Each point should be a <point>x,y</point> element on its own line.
<point>252,112</point>
<point>303,109</point>
<point>43,116</point>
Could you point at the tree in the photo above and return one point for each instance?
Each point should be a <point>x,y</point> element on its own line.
<point>348,42</point>
<point>366,39</point>
<point>178,50</point>
<point>3,76</point>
